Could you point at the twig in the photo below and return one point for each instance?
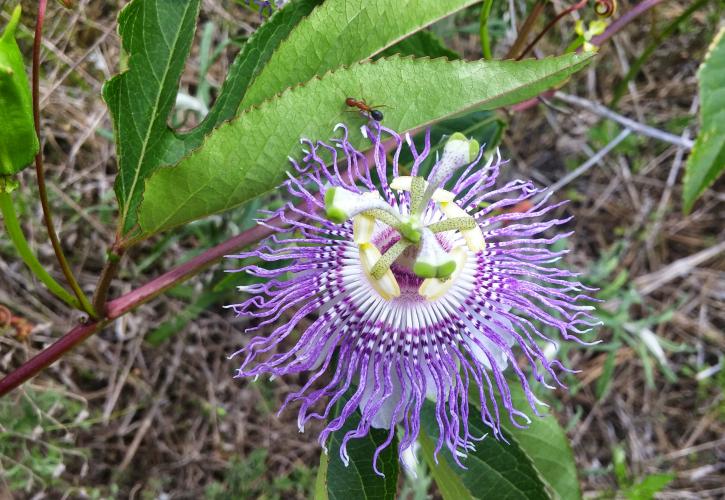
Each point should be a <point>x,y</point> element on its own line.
<point>159,399</point>
<point>551,24</point>
<point>526,28</point>
<point>650,282</point>
<point>42,189</point>
<point>651,47</point>
<point>605,112</point>
<point>669,186</point>
<point>585,166</point>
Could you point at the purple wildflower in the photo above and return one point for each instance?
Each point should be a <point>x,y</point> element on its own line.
<point>421,287</point>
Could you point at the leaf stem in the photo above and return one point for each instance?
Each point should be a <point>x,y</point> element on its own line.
<point>85,305</point>
<point>17,237</point>
<point>110,269</point>
<point>485,36</point>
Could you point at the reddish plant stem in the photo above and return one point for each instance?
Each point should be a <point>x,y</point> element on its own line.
<point>551,24</point>
<point>49,355</point>
<point>125,303</point>
<point>40,171</point>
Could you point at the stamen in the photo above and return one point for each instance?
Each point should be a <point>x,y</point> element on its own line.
<point>383,264</point>
<point>404,183</point>
<point>418,187</point>
<point>453,224</point>
<point>457,152</point>
<point>342,204</point>
<point>474,236</point>
<point>363,226</point>
<point>387,285</point>
<point>384,217</point>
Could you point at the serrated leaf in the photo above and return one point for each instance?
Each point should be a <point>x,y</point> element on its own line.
<point>255,53</point>
<point>157,35</point>
<point>342,32</point>
<point>248,156</point>
<point>707,159</point>
<point>358,480</point>
<point>421,44</point>
<point>139,156</point>
<point>546,444</point>
<point>495,469</point>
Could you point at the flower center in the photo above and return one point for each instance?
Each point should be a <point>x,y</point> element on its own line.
<point>402,255</point>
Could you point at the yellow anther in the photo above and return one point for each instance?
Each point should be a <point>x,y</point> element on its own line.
<point>387,286</point>
<point>433,288</point>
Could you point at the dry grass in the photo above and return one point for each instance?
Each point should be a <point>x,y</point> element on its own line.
<point>170,419</point>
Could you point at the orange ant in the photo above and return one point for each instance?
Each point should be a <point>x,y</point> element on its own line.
<point>370,111</point>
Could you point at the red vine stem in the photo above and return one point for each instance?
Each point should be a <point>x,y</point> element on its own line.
<point>153,288</point>
<point>40,171</point>
<point>125,303</point>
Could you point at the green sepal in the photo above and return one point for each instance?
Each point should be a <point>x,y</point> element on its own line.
<point>18,140</point>
<point>335,214</point>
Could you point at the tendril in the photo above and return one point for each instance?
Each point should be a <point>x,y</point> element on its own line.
<point>605,8</point>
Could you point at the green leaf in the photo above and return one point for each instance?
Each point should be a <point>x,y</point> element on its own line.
<point>251,59</point>
<point>144,141</point>
<point>494,470</point>
<point>342,32</point>
<point>157,35</point>
<point>247,156</point>
<point>358,480</point>
<point>18,140</point>
<point>424,43</point>
<point>707,159</point>
<point>449,483</point>
<point>646,489</point>
<point>547,446</point>
<point>321,480</point>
